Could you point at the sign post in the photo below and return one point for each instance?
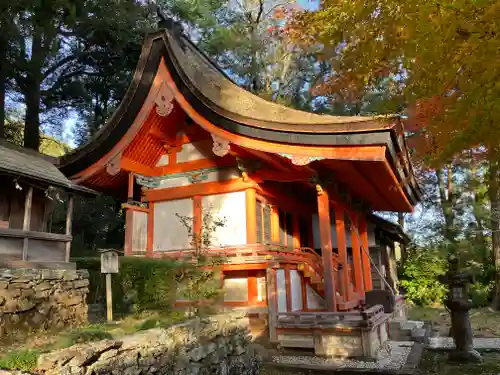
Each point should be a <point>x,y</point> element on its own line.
<point>109,265</point>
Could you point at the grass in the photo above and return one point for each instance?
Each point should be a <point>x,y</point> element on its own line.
<point>21,359</point>
<point>436,363</point>
<point>484,321</point>
<point>23,353</point>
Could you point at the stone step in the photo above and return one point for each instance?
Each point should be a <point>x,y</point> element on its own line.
<point>408,330</point>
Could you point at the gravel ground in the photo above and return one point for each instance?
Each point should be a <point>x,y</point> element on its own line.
<point>392,357</point>
<point>479,343</point>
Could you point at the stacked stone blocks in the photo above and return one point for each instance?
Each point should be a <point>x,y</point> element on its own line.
<point>217,345</point>
<point>36,299</point>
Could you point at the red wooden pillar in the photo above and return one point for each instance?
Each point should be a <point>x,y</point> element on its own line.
<point>342,249</point>
<point>288,288</point>
<point>296,232</point>
<point>326,248</point>
<point>304,293</point>
<point>275,225</point>
<point>251,212</point>
<point>356,257</point>
<point>149,250</point>
<point>130,195</point>
<point>129,217</point>
<point>129,230</point>
<point>365,259</point>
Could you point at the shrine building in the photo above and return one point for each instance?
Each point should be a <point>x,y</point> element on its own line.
<point>297,190</point>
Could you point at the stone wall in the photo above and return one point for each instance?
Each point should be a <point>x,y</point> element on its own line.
<point>32,299</point>
<point>216,345</point>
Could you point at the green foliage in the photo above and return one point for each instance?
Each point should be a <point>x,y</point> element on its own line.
<point>20,359</point>
<point>83,335</point>
<point>419,276</point>
<point>200,283</point>
<point>481,294</point>
<point>148,324</point>
<point>162,321</point>
<point>142,284</point>
<point>98,223</point>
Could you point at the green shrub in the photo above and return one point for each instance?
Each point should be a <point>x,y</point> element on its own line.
<point>148,284</point>
<point>148,324</point>
<point>419,277</point>
<point>20,359</point>
<point>82,335</point>
<point>480,294</point>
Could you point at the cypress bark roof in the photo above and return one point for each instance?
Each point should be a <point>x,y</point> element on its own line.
<point>19,161</point>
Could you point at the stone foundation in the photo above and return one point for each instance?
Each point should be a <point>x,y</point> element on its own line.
<point>217,345</point>
<point>359,334</point>
<point>32,299</point>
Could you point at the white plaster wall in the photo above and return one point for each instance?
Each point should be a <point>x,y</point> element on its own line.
<point>261,289</point>
<point>193,151</point>
<point>163,161</point>
<point>231,207</point>
<point>223,174</point>
<point>236,289</point>
<point>139,231</point>
<point>219,175</point>
<point>169,234</point>
<point>314,300</point>
<point>296,288</point>
<point>281,289</point>
<point>173,182</point>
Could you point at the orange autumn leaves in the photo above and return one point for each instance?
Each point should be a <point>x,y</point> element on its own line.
<point>441,58</point>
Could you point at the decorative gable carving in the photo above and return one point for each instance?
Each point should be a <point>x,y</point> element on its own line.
<point>220,147</point>
<point>164,101</point>
<point>113,167</point>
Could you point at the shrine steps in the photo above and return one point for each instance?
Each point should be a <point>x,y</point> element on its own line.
<point>401,329</point>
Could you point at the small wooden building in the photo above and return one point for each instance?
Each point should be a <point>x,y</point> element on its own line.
<point>30,186</point>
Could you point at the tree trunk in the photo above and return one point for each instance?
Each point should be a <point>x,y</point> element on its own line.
<point>495,226</point>
<point>32,90</point>
<point>32,119</point>
<point>3,84</point>
<point>476,211</point>
<point>445,185</point>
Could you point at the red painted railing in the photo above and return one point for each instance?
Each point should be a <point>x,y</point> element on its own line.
<point>308,261</point>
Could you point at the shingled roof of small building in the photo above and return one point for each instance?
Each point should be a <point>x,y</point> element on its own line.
<point>29,164</point>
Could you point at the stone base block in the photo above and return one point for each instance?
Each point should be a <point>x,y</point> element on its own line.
<point>343,342</point>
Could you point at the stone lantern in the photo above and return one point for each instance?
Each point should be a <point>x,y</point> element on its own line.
<point>459,304</point>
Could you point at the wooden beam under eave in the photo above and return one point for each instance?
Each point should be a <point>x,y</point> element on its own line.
<point>194,165</point>
<point>202,189</point>
<point>268,175</point>
<point>350,174</point>
<point>406,203</point>
<point>133,166</point>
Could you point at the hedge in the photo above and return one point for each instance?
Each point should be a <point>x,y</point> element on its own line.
<point>141,284</point>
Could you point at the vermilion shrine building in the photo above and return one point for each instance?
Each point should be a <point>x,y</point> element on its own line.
<point>297,189</point>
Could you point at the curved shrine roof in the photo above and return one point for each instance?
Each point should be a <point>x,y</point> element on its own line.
<point>216,98</point>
